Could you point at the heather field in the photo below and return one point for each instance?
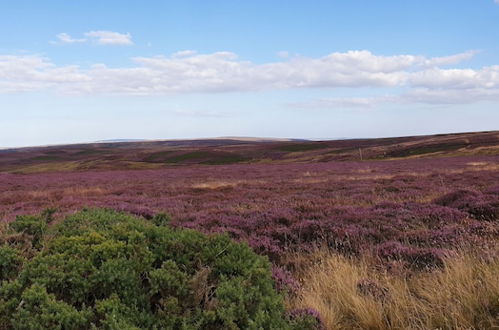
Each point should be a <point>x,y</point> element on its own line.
<point>373,244</point>
<point>249,165</point>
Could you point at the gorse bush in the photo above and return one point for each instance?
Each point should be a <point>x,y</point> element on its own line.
<point>102,269</point>
<point>33,226</point>
<point>10,262</point>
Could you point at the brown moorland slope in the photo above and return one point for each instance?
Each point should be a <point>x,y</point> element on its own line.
<point>159,154</point>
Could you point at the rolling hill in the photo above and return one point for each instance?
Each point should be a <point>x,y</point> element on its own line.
<point>230,150</point>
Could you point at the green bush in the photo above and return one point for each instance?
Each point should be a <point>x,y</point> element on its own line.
<point>10,262</point>
<point>40,310</point>
<point>34,226</point>
<point>108,270</point>
<point>161,219</point>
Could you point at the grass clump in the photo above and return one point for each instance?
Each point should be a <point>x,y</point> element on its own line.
<point>355,294</point>
<point>108,270</point>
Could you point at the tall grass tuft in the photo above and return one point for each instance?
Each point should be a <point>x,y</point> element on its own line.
<point>355,294</point>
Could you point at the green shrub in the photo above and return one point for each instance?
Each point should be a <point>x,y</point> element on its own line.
<point>161,219</point>
<point>102,269</point>
<point>10,262</point>
<point>40,310</point>
<point>35,226</point>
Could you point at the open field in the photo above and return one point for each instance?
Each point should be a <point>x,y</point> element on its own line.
<point>415,216</point>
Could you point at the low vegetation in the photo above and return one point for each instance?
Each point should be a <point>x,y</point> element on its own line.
<point>292,242</point>
<point>102,269</point>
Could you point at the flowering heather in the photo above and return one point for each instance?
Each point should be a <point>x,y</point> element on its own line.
<point>411,210</point>
<point>479,205</point>
<point>414,258</point>
<point>384,224</point>
<point>308,312</point>
<point>284,280</point>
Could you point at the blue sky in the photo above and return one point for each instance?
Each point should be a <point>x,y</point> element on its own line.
<point>84,71</point>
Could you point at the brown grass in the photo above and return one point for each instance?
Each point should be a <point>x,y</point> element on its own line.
<point>215,185</point>
<point>58,193</point>
<point>353,294</point>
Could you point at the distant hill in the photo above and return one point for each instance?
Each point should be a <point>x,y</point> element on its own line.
<point>144,154</point>
<point>120,140</point>
<point>238,138</point>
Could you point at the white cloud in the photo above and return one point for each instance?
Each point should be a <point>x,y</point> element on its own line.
<point>67,39</point>
<point>27,73</point>
<point>423,79</point>
<point>184,53</point>
<point>452,59</point>
<point>459,79</point>
<point>110,38</point>
<point>98,37</point>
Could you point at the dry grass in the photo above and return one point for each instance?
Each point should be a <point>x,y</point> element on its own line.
<point>58,193</point>
<point>477,163</point>
<point>310,180</point>
<point>215,185</point>
<point>353,294</point>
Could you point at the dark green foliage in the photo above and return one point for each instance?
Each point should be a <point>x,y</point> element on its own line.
<point>207,158</point>
<point>108,270</point>
<point>195,155</point>
<point>161,219</point>
<point>35,226</point>
<point>158,157</point>
<point>10,262</point>
<point>296,147</point>
<point>40,310</point>
<point>228,158</point>
<point>48,214</point>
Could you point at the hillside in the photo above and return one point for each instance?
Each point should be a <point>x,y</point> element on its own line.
<point>158,154</point>
<point>414,224</point>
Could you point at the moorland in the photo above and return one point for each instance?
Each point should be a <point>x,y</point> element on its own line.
<point>392,233</point>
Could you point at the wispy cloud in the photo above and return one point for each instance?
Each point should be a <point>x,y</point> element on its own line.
<point>110,38</point>
<point>452,59</point>
<point>422,79</point>
<point>98,37</point>
<point>345,102</point>
<point>67,39</point>
<point>184,53</point>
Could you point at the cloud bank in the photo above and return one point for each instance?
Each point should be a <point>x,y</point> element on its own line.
<point>422,79</point>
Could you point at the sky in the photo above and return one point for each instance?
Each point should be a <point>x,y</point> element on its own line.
<point>82,71</point>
